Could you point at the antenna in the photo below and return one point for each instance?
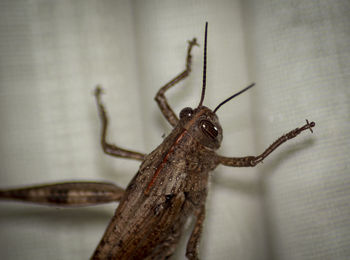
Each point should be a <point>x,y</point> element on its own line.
<point>235,95</point>
<point>204,65</point>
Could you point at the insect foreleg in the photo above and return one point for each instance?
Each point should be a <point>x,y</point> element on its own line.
<point>108,148</point>
<point>193,242</point>
<point>251,161</point>
<point>69,194</point>
<point>160,97</point>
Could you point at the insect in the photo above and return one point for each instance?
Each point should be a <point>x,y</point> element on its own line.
<point>170,185</point>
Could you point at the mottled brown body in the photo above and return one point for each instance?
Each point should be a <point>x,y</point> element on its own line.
<point>149,216</point>
<point>170,185</point>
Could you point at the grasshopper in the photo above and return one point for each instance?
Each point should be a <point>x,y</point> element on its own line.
<point>170,185</point>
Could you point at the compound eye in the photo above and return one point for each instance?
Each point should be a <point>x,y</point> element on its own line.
<point>187,112</point>
<point>209,129</point>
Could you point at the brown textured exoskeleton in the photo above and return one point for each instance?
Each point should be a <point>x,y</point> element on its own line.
<point>170,185</point>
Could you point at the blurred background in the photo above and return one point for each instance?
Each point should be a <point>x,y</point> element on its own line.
<point>53,53</point>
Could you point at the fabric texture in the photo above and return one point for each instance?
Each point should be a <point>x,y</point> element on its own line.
<point>54,53</point>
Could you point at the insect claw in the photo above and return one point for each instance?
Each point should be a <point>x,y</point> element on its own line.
<point>98,91</point>
<point>193,42</point>
<point>310,125</point>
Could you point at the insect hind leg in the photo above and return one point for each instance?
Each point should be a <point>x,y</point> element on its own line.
<point>67,194</point>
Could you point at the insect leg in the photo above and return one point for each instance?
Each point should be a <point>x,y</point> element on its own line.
<point>171,243</point>
<point>160,97</point>
<point>108,148</point>
<point>69,194</point>
<point>251,161</point>
<point>167,248</point>
<point>192,245</point>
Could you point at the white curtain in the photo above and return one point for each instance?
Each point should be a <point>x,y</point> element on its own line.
<point>53,53</point>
